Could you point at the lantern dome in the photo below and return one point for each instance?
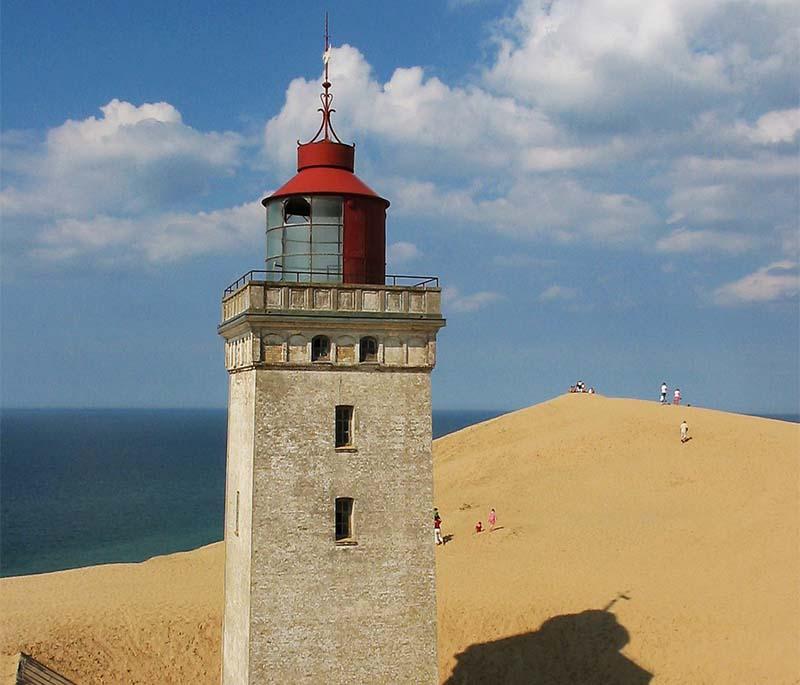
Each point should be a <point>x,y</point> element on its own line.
<point>325,167</point>
<point>325,224</point>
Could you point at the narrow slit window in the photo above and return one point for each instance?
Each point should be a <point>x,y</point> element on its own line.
<point>344,518</point>
<point>368,350</point>
<point>236,520</point>
<point>344,425</point>
<point>320,349</point>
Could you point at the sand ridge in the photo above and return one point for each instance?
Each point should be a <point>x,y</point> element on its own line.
<point>621,555</point>
<point>157,621</point>
<point>598,498</point>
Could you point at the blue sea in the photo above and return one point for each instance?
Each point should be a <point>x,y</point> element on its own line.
<point>80,487</point>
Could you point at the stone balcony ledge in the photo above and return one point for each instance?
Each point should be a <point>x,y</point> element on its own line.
<point>332,300</point>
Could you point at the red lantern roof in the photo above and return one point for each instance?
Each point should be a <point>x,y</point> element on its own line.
<point>325,167</point>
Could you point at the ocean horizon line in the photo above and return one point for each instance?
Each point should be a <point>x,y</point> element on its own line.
<point>174,408</point>
<point>790,416</point>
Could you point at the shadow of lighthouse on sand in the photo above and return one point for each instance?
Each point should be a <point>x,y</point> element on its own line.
<point>570,649</point>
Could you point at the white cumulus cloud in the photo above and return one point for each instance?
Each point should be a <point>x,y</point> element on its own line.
<point>401,252</point>
<point>732,203</point>
<point>685,240</point>
<point>455,300</point>
<point>120,186</point>
<point>775,282</point>
<point>624,59</point>
<point>161,238</point>
<point>557,292</point>
<point>558,209</point>
<point>416,114</point>
<point>780,126</point>
<point>131,159</point>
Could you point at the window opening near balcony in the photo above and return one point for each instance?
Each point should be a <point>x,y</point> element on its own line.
<point>368,350</point>
<point>320,349</point>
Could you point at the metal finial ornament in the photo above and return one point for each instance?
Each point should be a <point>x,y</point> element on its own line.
<point>326,127</point>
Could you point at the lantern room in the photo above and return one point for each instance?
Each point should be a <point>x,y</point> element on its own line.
<point>325,224</point>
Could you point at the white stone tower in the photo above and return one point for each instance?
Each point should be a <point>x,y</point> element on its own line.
<point>329,570</point>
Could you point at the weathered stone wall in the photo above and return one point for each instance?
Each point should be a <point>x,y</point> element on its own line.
<point>238,528</point>
<point>300,606</point>
<point>327,612</point>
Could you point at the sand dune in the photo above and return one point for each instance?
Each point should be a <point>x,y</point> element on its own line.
<point>154,622</point>
<point>598,497</point>
<point>621,555</point>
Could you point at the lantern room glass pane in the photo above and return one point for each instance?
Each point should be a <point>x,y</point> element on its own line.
<point>297,240</point>
<point>325,266</point>
<point>274,269</point>
<point>326,210</point>
<point>274,242</point>
<point>304,238</point>
<point>325,239</point>
<point>300,263</point>
<point>275,214</point>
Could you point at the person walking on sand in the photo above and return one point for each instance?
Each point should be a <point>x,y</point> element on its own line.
<point>664,389</point>
<point>676,397</point>
<point>684,431</point>
<point>492,519</point>
<point>437,529</point>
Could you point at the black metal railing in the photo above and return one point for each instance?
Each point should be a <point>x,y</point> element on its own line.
<point>327,277</point>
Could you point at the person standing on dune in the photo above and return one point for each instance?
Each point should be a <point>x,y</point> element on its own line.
<point>492,519</point>
<point>684,431</point>
<point>664,392</point>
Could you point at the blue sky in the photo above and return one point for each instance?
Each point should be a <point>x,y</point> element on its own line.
<point>608,189</point>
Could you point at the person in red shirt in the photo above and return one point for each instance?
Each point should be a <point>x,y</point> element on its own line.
<point>437,530</point>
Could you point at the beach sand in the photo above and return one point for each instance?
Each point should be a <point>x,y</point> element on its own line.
<point>620,555</point>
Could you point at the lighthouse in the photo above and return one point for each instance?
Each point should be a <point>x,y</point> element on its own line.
<point>329,546</point>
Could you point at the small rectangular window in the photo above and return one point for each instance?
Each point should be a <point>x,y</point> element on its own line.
<point>344,518</point>
<point>344,425</point>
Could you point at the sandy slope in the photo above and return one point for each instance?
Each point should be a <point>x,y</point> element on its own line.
<point>696,545</point>
<point>598,497</point>
<point>154,622</point>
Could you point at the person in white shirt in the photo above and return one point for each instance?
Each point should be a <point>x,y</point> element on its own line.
<point>664,393</point>
<point>684,431</point>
